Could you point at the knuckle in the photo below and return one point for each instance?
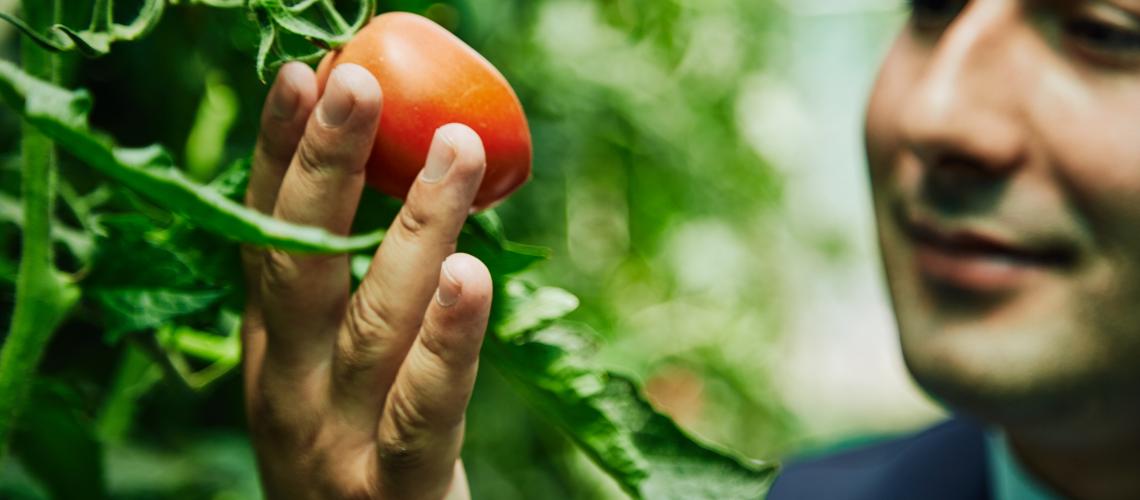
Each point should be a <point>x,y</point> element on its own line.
<point>273,420</point>
<point>412,220</point>
<point>369,315</point>
<point>437,345</point>
<point>404,447</point>
<point>409,416</point>
<point>276,272</point>
<point>333,152</point>
<point>398,455</point>
<point>311,154</point>
<point>425,406</point>
<point>446,350</point>
<point>273,149</point>
<point>364,327</point>
<point>283,273</point>
<point>251,257</point>
<point>366,314</point>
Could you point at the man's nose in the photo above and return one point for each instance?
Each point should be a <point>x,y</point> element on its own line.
<point>962,119</point>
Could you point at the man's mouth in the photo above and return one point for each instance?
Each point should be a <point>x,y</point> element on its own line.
<point>979,260</point>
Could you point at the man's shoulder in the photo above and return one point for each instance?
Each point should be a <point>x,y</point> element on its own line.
<point>947,461</point>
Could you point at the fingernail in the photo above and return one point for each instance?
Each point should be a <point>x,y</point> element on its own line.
<point>338,101</point>
<point>448,292</point>
<point>283,103</point>
<point>440,157</point>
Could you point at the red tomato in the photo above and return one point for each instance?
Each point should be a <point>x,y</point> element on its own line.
<point>431,78</point>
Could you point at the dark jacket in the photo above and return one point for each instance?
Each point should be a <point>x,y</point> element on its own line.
<point>945,462</point>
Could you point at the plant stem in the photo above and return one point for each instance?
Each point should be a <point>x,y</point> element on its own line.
<point>135,375</point>
<point>43,294</point>
<point>335,17</point>
<point>102,15</point>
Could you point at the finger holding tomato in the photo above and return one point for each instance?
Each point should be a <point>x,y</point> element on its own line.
<point>360,394</point>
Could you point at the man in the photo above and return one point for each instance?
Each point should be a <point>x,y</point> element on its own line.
<point>1006,181</point>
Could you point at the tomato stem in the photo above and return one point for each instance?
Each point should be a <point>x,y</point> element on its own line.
<point>43,294</point>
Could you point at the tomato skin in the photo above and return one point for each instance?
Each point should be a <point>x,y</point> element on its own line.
<point>431,78</point>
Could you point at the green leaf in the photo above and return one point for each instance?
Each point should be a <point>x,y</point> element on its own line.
<point>233,180</point>
<point>483,237</point>
<point>531,308</point>
<point>133,252</point>
<point>549,363</point>
<point>62,115</point>
<point>127,310</point>
<point>646,452</point>
<point>145,276</point>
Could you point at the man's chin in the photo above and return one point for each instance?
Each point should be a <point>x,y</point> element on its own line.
<point>998,403</point>
<point>1073,414</point>
<point>1001,381</point>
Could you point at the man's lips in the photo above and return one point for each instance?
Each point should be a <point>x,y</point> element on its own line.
<point>978,260</point>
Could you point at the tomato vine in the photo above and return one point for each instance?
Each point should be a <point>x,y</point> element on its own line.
<point>316,23</point>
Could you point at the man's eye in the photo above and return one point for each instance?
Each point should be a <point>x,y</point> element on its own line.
<point>1104,42</point>
<point>934,14</point>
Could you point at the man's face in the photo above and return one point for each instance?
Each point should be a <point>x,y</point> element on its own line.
<point>1003,138</point>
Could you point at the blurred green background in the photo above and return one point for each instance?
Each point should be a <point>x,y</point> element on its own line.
<point>698,173</point>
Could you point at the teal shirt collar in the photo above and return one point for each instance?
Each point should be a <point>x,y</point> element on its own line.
<point>1008,480</point>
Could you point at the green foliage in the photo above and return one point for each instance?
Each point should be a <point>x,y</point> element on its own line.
<point>604,413</point>
<point>96,39</point>
<point>618,153</point>
<point>284,23</point>
<point>663,220</point>
<point>316,21</point>
<point>62,115</point>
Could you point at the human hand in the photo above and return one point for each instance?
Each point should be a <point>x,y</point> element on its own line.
<point>359,395</point>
